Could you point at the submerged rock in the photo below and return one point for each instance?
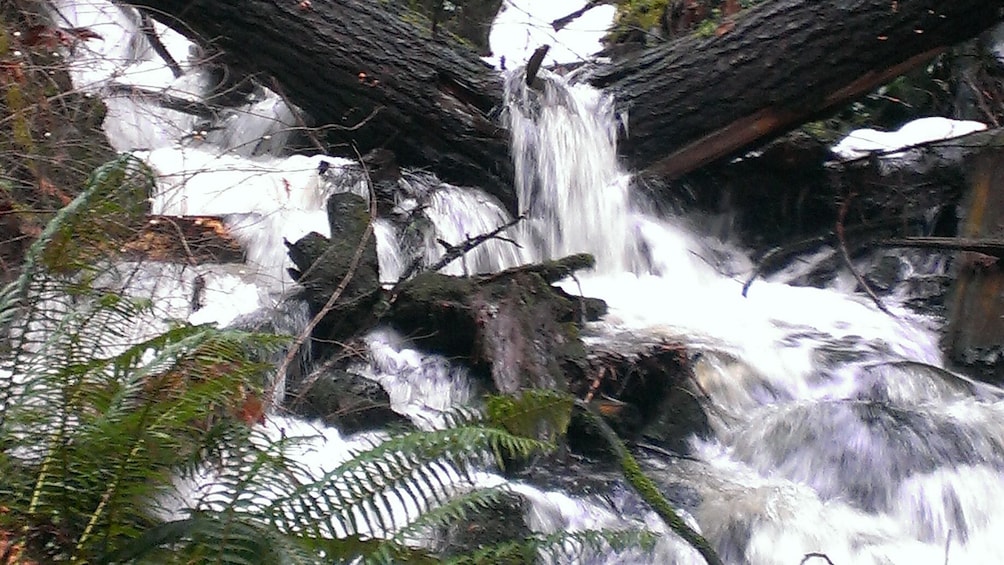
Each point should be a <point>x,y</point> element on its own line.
<point>344,400</point>
<point>501,521</point>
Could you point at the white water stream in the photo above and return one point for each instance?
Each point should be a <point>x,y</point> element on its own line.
<point>835,430</point>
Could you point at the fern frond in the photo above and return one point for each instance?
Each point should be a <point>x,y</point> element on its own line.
<point>453,511</point>
<point>534,413</point>
<point>561,547</point>
<point>116,188</point>
<point>419,467</point>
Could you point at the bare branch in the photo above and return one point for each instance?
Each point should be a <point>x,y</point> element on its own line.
<point>165,100</point>
<point>809,556</point>
<point>847,257</point>
<point>157,44</point>
<point>560,23</point>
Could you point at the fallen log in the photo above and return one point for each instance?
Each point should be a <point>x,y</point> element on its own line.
<point>433,102</point>
<point>184,239</point>
<point>427,97</point>
<point>785,62</point>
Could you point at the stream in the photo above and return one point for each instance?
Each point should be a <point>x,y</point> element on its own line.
<point>836,429</point>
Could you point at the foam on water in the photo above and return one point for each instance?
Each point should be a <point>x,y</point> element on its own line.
<point>836,428</point>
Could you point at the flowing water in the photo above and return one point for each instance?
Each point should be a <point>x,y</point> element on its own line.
<point>835,428</point>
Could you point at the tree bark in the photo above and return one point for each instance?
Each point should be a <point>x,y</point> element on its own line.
<point>377,75</point>
<point>786,62</point>
<point>372,73</point>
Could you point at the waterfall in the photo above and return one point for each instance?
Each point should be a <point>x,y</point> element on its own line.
<point>568,182</point>
<point>836,429</point>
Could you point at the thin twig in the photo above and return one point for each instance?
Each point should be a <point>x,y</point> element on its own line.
<point>842,240</point>
<point>298,116</point>
<point>809,556</point>
<point>313,377</point>
<point>190,107</point>
<point>277,88</point>
<point>596,383</point>
<point>560,23</point>
<point>454,252</point>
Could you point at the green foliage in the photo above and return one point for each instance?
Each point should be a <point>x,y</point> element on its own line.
<point>101,430</point>
<point>566,546</point>
<point>50,137</point>
<point>534,413</point>
<point>634,17</point>
<point>646,488</point>
<point>93,426</point>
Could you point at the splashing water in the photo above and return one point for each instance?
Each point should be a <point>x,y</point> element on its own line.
<point>568,182</point>
<point>836,431</point>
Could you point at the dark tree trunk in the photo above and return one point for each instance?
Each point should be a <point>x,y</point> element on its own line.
<point>782,64</point>
<point>378,75</point>
<point>372,72</point>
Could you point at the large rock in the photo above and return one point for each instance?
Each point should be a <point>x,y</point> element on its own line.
<point>345,400</point>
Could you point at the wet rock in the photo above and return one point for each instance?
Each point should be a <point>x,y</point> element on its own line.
<point>646,393</point>
<point>289,317</point>
<point>323,263</point>
<point>861,451</point>
<point>885,274</point>
<point>499,522</point>
<point>346,401</point>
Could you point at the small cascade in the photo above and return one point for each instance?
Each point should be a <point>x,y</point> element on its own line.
<point>568,182</point>
<point>836,429</point>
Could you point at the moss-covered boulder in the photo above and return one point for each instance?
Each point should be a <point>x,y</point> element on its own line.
<point>514,325</point>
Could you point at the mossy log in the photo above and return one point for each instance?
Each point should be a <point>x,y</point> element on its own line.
<point>325,265</point>
<point>514,325</point>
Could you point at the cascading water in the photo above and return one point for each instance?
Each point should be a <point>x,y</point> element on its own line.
<point>568,182</point>
<point>835,431</point>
